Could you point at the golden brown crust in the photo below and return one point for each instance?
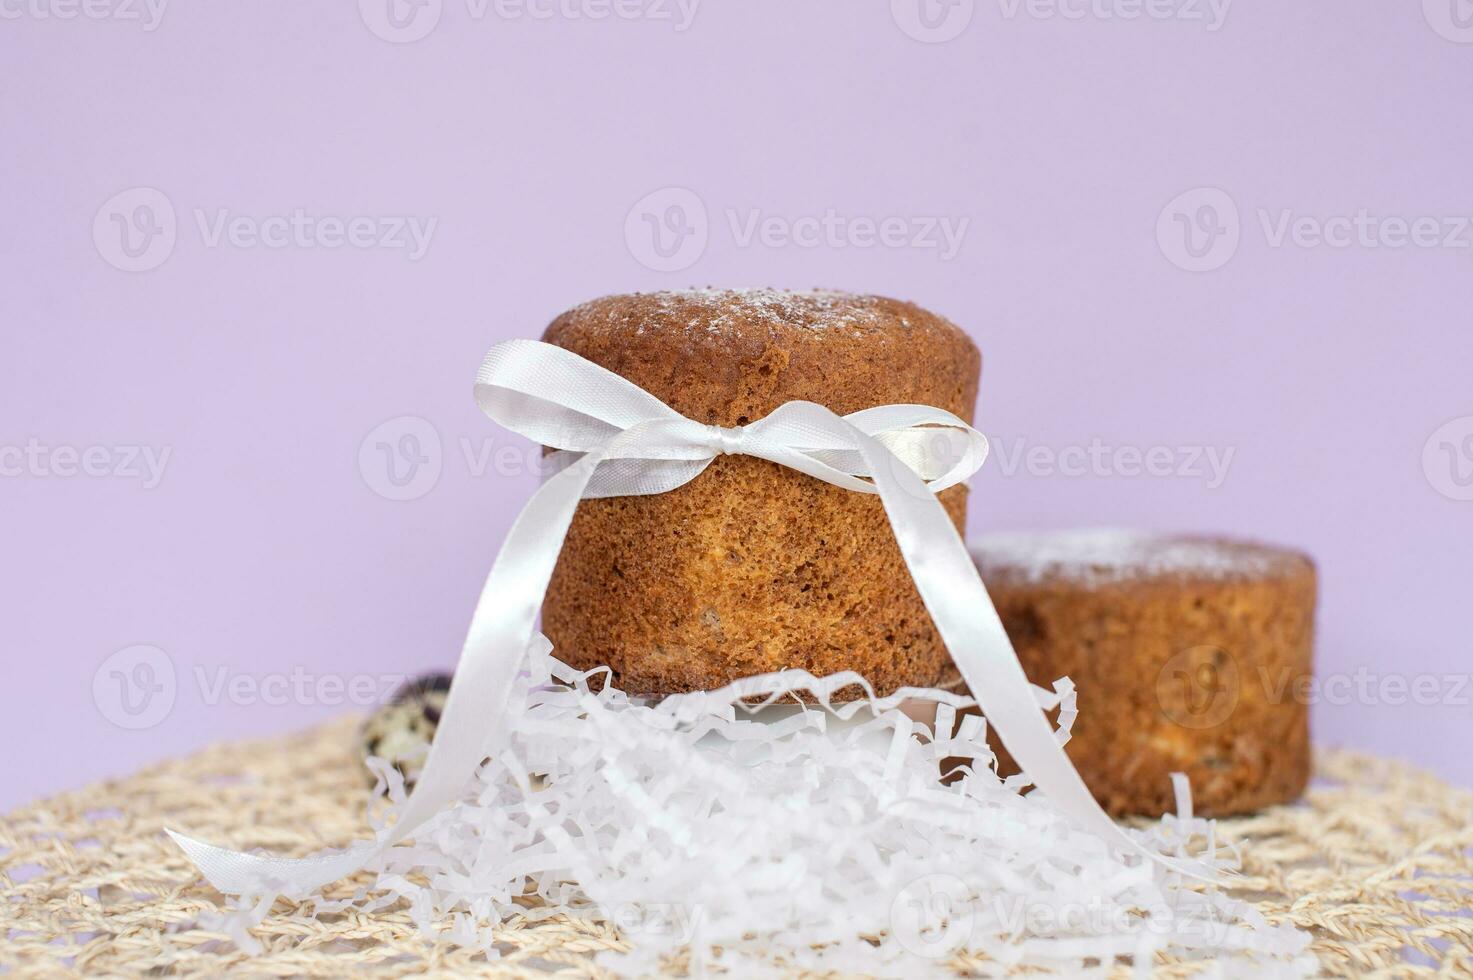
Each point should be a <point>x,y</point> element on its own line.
<point>1189,655</point>
<point>727,357</point>
<point>753,567</point>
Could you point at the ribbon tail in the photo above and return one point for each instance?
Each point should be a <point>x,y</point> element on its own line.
<point>238,873</point>
<point>474,719</point>
<point>964,615</point>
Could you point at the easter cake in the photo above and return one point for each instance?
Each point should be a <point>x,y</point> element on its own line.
<point>753,567</point>
<point>1190,654</point>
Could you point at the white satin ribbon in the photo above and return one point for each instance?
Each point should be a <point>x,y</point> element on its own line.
<point>619,440</point>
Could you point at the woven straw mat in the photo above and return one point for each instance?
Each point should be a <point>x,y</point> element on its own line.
<point>1377,863</point>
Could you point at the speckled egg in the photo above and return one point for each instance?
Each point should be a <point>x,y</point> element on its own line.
<point>401,731</point>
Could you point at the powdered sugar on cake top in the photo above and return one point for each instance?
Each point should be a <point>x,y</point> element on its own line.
<point>1103,555</point>
<point>715,311</point>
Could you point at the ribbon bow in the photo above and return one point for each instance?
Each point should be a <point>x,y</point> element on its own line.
<point>616,439</point>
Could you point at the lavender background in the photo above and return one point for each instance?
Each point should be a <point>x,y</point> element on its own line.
<point>1340,378</point>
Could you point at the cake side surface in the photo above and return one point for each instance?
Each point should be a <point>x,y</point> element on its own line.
<point>753,567</point>
<point>1190,655</point>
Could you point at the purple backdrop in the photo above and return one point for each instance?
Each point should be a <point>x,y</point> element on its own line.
<point>253,254</point>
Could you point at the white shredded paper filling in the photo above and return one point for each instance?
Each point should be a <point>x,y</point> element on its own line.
<point>723,837</point>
